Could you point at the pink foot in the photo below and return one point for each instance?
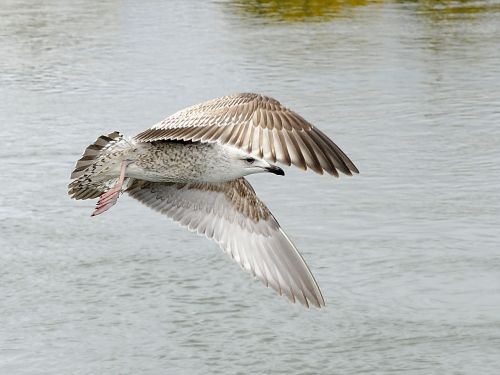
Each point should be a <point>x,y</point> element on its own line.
<point>106,201</point>
<point>109,198</point>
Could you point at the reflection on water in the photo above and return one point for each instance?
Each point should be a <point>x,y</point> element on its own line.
<point>453,9</point>
<point>299,10</point>
<point>406,253</point>
<point>324,10</point>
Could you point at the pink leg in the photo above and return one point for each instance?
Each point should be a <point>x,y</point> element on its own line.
<point>109,198</point>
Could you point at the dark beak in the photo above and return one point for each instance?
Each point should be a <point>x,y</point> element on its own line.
<point>276,170</point>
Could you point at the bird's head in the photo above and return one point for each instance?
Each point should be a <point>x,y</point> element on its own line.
<point>246,164</point>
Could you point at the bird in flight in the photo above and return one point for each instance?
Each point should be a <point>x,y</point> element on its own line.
<point>191,167</point>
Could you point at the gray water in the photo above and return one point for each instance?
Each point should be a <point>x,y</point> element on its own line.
<point>406,253</point>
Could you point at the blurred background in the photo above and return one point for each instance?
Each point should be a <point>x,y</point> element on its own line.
<point>406,253</point>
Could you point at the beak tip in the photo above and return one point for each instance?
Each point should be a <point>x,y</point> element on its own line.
<point>276,170</point>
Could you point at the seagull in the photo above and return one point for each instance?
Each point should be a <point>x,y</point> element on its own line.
<point>191,167</point>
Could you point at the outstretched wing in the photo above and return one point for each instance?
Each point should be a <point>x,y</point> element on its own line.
<point>259,125</point>
<point>231,214</point>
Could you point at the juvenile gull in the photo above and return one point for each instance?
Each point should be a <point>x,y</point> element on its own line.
<point>191,167</point>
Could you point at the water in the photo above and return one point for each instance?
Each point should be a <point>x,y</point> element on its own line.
<point>406,253</point>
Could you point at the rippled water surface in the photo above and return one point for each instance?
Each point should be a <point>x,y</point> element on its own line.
<point>407,253</point>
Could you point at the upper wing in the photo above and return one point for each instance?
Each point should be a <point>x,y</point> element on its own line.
<point>231,214</point>
<point>259,125</point>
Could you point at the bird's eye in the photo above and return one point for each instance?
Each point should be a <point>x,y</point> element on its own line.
<point>250,160</point>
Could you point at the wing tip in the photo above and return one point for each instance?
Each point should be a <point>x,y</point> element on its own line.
<point>349,171</point>
<point>317,303</point>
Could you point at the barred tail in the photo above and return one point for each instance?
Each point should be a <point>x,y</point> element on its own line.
<point>88,181</point>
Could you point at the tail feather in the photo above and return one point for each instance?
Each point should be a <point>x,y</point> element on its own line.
<point>93,151</point>
<point>80,191</point>
<point>87,182</point>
